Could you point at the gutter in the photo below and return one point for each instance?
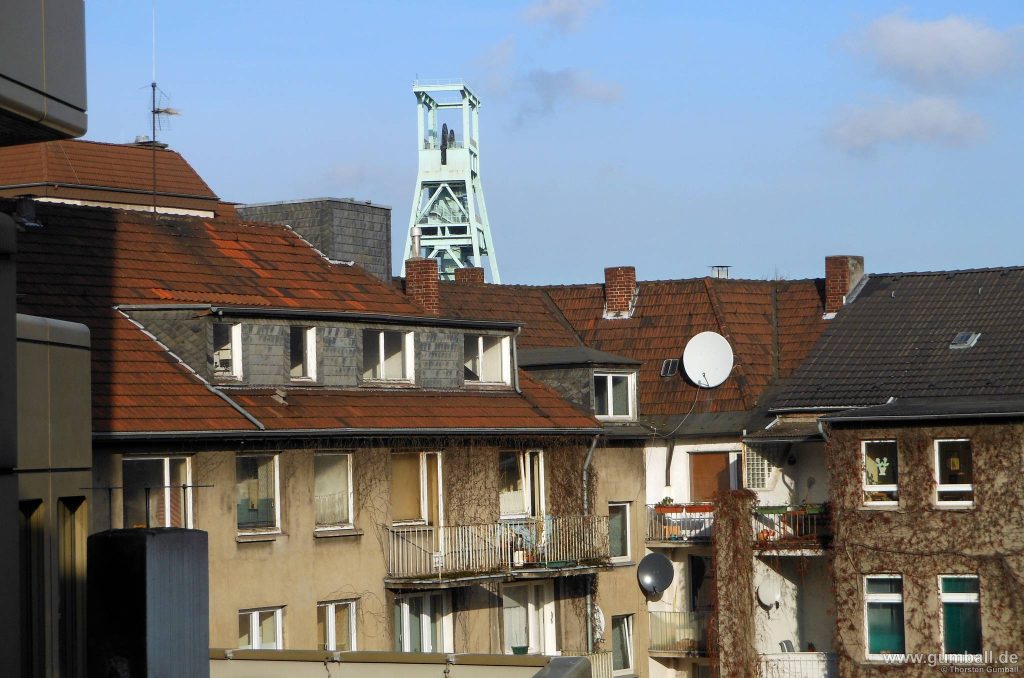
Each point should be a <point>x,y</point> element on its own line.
<point>110,189</point>
<point>264,433</point>
<point>431,321</point>
<point>929,417</point>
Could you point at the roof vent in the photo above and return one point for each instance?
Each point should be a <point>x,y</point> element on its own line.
<point>720,271</point>
<point>965,339</point>
<point>670,367</point>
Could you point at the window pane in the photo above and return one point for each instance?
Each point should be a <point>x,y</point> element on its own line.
<point>881,467</point>
<point>620,643</point>
<point>617,530</point>
<point>885,585</point>
<point>342,629</point>
<point>620,396</point>
<point>394,357</point>
<point>885,628</point>
<point>601,395</point>
<point>221,348</point>
<point>330,489</point>
<point>436,617</point>
<point>471,343</point>
<point>405,487</point>
<point>960,585</point>
<point>321,626</point>
<point>517,632</point>
<point>256,489</point>
<point>179,494</point>
<point>268,630</point>
<point>371,354</point>
<point>955,466</point>
<point>297,352</point>
<point>415,624</point>
<point>961,628</point>
<point>492,360</point>
<point>511,498</point>
<point>244,630</point>
<point>137,475</point>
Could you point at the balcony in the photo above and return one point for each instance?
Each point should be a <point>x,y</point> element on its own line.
<point>457,551</point>
<point>679,524</point>
<point>676,634</point>
<point>801,528</point>
<point>601,665</point>
<point>799,665</point>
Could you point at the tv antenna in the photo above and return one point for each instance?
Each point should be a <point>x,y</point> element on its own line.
<point>159,111</point>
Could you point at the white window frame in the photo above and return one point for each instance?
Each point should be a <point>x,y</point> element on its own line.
<point>331,644</point>
<point>276,529</point>
<point>883,598</point>
<point>408,358</point>
<point>308,353</point>
<point>254,626</point>
<point>629,670</point>
<point>962,487</point>
<point>506,359</point>
<point>525,467</point>
<point>543,640</point>
<point>627,505</point>
<point>447,626</point>
<point>236,353</point>
<point>969,598</point>
<point>630,386</point>
<point>167,488</point>
<point>425,488</point>
<point>351,492</point>
<point>878,488</point>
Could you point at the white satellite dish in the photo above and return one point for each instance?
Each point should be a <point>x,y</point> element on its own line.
<point>707,359</point>
<point>769,593</point>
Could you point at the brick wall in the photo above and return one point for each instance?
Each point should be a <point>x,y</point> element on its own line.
<point>423,285</point>
<point>842,273</point>
<point>619,288</point>
<point>473,275</point>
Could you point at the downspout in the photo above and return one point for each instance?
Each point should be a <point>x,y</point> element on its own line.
<point>586,511</point>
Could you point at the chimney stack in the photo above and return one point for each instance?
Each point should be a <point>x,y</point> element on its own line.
<point>471,275</point>
<point>842,273</point>
<point>422,284</point>
<point>619,291</point>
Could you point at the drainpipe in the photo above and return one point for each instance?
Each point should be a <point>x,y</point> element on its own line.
<point>586,511</point>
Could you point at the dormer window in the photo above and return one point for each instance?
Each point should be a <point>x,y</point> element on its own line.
<point>614,395</point>
<point>387,355</point>
<point>227,350</point>
<point>487,359</point>
<point>303,353</point>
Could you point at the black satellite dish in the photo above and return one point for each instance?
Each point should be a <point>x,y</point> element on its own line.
<point>654,573</point>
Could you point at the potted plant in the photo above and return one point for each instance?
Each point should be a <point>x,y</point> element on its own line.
<point>667,505</point>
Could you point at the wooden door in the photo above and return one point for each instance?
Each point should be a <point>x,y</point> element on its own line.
<point>709,473</point>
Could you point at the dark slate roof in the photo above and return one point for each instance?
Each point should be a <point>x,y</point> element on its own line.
<point>996,407</point>
<point>893,341</point>
<point>578,355</point>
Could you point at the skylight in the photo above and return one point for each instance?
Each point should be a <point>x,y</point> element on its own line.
<point>669,367</point>
<point>965,339</point>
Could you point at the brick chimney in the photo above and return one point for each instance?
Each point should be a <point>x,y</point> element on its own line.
<point>619,291</point>
<point>471,275</point>
<point>842,273</point>
<point>422,284</point>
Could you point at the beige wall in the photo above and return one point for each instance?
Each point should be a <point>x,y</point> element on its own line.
<point>371,665</point>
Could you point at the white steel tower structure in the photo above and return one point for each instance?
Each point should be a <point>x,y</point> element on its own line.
<point>449,214</point>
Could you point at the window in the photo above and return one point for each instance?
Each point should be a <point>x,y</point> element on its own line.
<point>227,350</point>
<point>528,618</point>
<point>622,644</point>
<point>423,623</point>
<point>302,352</point>
<point>72,530</point>
<point>336,625</point>
<point>954,472</point>
<point>416,488</point>
<point>33,573</point>
<point>256,479</point>
<point>613,395</point>
<point>670,367</point>
<point>881,472</point>
<point>157,492</point>
<point>387,355</point>
<point>487,359</point>
<point>521,484</point>
<point>883,611</point>
<point>332,490</point>
<point>760,463</point>
<point>261,629</point>
<point>961,614</point>
<point>618,530</point>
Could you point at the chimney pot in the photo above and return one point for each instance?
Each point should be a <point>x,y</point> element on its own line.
<point>422,284</point>
<point>842,273</point>
<point>619,291</point>
<point>471,275</point>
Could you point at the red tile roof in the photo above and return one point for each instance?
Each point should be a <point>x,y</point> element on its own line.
<point>543,324</point>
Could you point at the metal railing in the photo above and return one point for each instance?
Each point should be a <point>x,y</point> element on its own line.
<point>799,665</point>
<point>549,542</point>
<point>683,632</point>
<point>429,145</point>
<point>791,526</point>
<point>681,522</point>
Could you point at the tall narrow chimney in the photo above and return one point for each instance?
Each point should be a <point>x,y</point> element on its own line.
<point>842,273</point>
<point>471,275</point>
<point>619,291</point>
<point>422,284</point>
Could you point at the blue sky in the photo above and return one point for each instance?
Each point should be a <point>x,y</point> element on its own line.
<point>669,136</point>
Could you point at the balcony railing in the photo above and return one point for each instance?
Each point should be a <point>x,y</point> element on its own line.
<point>679,632</point>
<point>454,550</point>
<point>680,523</point>
<point>799,665</point>
<point>806,526</point>
<point>601,665</point>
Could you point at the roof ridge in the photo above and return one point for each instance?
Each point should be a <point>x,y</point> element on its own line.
<point>953,271</point>
<point>716,307</point>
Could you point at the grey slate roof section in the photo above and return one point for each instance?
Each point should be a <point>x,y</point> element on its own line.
<point>997,407</point>
<point>571,355</point>
<point>893,342</point>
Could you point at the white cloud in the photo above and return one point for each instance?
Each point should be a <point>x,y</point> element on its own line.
<point>929,120</point>
<point>547,90</point>
<point>563,15</point>
<point>946,54</point>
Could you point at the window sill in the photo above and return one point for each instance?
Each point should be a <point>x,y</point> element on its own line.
<point>487,385</point>
<point>880,507</point>
<point>387,383</point>
<point>247,537</point>
<point>621,562</point>
<point>328,532</point>
<point>966,506</point>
